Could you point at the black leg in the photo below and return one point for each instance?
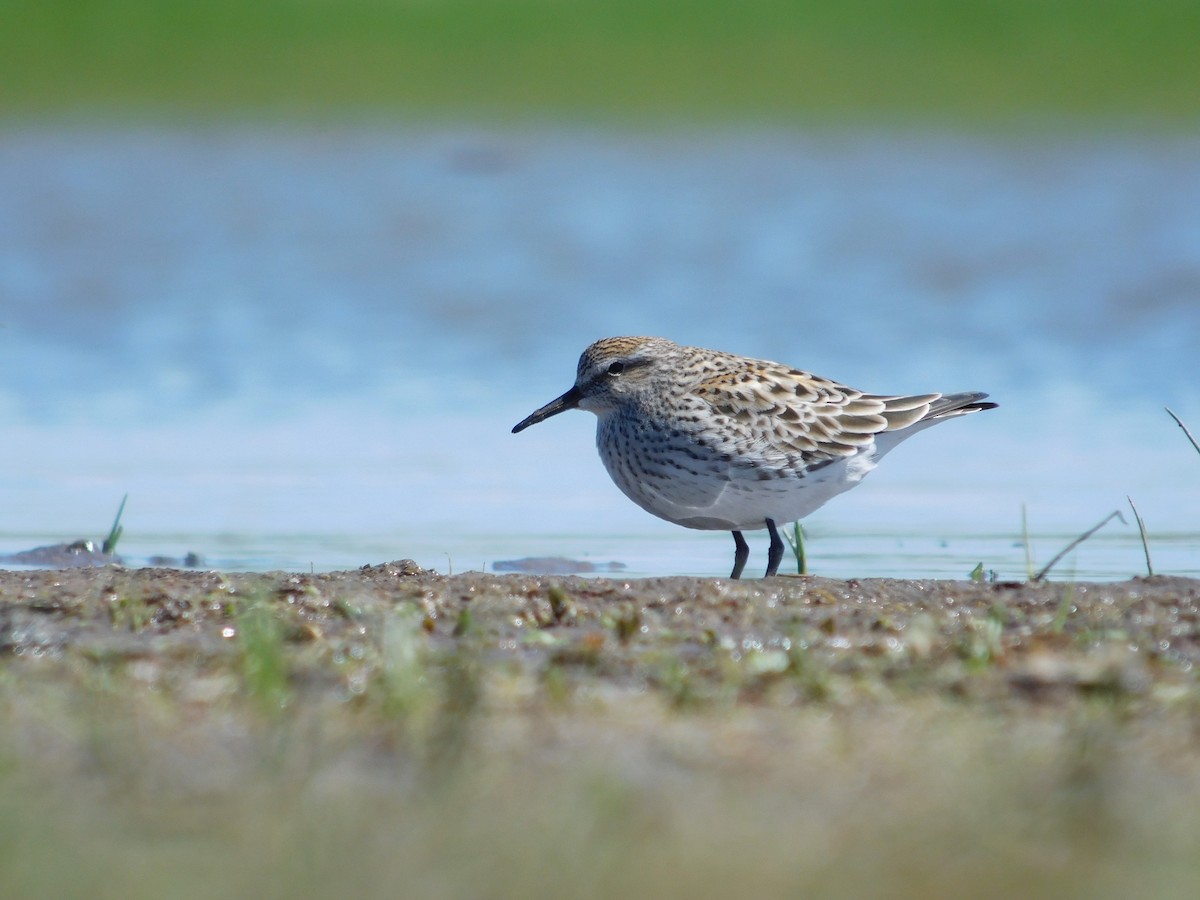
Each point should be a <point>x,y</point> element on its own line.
<point>775,554</point>
<point>740,553</point>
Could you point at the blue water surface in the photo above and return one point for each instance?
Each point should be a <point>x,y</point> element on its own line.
<point>304,347</point>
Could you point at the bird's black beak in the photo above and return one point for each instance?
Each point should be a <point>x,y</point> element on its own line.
<point>569,400</point>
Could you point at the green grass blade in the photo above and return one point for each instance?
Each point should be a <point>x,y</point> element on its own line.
<point>796,541</point>
<point>114,533</point>
<point>265,667</point>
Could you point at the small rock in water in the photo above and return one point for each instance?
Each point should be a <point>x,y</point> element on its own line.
<point>554,565</point>
<point>62,556</point>
<point>396,567</point>
<point>189,561</point>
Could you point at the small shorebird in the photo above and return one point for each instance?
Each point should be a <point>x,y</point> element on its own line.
<point>719,442</point>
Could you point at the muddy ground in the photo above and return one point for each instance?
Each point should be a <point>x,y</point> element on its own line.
<point>687,638</point>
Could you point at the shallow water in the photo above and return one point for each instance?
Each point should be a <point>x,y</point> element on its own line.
<point>305,347</point>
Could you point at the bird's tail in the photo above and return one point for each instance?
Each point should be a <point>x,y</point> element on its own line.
<point>908,415</point>
<point>950,405</point>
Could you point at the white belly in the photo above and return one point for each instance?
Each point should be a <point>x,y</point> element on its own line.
<point>701,490</point>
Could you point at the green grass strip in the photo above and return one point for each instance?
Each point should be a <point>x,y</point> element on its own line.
<point>626,59</point>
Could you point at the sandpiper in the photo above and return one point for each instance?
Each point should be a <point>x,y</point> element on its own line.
<point>719,442</point>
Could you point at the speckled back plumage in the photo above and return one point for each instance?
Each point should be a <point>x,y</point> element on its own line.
<point>711,440</point>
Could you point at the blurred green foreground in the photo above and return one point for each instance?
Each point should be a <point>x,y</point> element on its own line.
<point>632,59</point>
<point>388,732</point>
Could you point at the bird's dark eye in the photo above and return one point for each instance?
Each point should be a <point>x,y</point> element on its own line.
<point>616,368</point>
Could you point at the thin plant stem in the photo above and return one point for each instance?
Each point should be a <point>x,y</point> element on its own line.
<point>1025,541</point>
<point>1142,529</point>
<point>1179,422</point>
<point>1115,514</point>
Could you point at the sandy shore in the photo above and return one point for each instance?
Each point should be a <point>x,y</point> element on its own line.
<point>1014,639</point>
